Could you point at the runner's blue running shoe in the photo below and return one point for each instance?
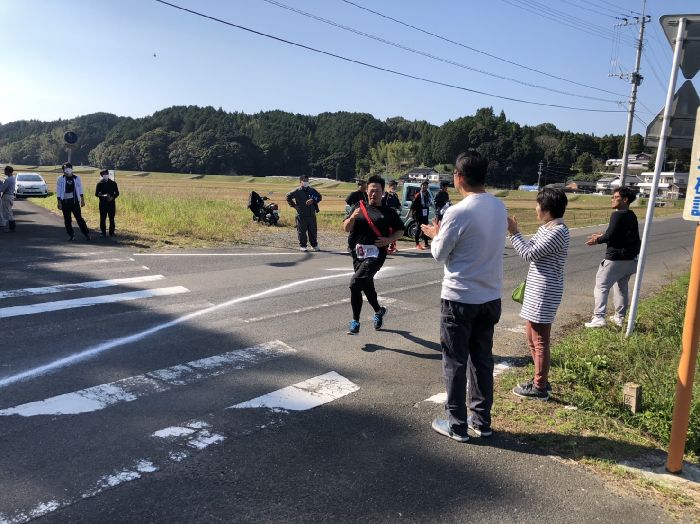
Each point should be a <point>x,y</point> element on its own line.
<point>353,327</point>
<point>378,318</point>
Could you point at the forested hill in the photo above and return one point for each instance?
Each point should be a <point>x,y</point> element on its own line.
<point>212,141</point>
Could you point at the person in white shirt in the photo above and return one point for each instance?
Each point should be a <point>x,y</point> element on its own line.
<point>470,241</point>
<point>69,192</point>
<point>7,188</point>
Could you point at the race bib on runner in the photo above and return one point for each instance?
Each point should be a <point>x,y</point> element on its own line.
<point>425,212</point>
<point>366,251</point>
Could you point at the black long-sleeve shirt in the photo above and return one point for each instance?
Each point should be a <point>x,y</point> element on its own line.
<point>622,236</point>
<point>106,188</point>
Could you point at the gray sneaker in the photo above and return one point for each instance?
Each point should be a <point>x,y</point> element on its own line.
<point>483,431</point>
<point>442,426</point>
<point>530,391</point>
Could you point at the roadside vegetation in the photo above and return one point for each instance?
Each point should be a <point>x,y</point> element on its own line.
<point>586,421</point>
<point>185,210</point>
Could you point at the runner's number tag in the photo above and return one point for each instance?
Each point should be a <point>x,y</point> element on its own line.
<point>366,251</point>
<point>425,212</point>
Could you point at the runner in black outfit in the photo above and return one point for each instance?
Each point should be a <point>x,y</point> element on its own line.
<point>369,240</point>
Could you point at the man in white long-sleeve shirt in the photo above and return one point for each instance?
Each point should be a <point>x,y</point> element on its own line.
<point>69,192</point>
<point>470,241</point>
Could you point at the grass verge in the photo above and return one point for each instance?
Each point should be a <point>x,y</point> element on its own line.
<point>586,421</point>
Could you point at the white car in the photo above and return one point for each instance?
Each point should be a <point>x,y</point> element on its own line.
<point>30,184</point>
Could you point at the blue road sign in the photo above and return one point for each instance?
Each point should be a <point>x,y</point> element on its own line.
<point>70,137</point>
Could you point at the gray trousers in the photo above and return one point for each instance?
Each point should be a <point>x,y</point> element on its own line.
<point>613,274</point>
<point>6,214</point>
<point>306,225</point>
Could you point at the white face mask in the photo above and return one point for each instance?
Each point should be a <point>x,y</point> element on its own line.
<point>68,171</point>
<point>305,184</point>
<point>105,177</point>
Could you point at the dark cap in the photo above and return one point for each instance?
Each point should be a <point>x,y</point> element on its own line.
<point>303,177</point>
<point>393,183</point>
<point>104,172</point>
<point>9,169</point>
<point>67,164</point>
<point>444,183</point>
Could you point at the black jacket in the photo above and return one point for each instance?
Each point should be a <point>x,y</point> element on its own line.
<point>106,188</point>
<point>622,236</point>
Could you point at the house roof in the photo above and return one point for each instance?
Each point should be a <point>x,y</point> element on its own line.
<point>422,170</point>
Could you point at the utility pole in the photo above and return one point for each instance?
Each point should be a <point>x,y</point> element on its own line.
<point>635,79</point>
<point>539,173</point>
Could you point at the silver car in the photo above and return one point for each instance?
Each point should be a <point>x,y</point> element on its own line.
<point>31,184</point>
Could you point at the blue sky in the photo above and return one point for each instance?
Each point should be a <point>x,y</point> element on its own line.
<point>60,59</point>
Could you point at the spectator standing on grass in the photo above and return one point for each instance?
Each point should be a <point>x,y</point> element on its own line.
<point>69,192</point>
<point>7,200</point>
<point>622,238</point>
<point>546,252</point>
<point>305,200</point>
<point>420,209</point>
<point>372,228</point>
<point>470,243</point>
<point>391,200</point>
<point>107,191</point>
<point>442,200</point>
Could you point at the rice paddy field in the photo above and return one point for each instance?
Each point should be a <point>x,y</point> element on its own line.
<point>187,210</point>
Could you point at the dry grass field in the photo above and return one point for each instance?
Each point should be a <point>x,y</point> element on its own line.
<point>181,209</point>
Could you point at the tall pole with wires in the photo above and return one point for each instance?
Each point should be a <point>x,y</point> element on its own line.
<point>635,80</point>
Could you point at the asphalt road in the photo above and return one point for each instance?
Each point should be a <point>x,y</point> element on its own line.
<point>220,386</point>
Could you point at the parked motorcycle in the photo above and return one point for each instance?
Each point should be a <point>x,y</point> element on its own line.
<point>265,213</point>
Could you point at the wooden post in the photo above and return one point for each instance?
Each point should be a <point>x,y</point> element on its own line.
<point>686,366</point>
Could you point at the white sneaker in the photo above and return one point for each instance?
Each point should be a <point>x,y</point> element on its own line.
<point>618,321</point>
<point>303,249</point>
<point>596,322</point>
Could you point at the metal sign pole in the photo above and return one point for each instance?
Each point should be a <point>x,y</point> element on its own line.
<point>660,155</point>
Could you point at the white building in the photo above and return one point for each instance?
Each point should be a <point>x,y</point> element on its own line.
<point>672,184</point>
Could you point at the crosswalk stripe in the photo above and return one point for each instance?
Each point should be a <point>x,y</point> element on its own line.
<point>45,307</point>
<point>60,288</point>
<point>441,398</point>
<point>177,443</point>
<point>304,395</point>
<point>132,388</point>
<point>75,263</point>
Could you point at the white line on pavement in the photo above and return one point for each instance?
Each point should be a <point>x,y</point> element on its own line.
<point>304,395</point>
<point>100,348</point>
<point>194,436</point>
<point>59,305</point>
<point>132,388</point>
<point>215,254</point>
<point>441,398</point>
<point>95,284</point>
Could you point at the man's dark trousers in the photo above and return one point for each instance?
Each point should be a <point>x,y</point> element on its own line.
<point>307,225</point>
<point>71,206</point>
<point>107,208</point>
<point>466,337</point>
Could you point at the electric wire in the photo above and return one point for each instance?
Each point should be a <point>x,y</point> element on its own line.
<point>431,56</point>
<point>379,68</point>
<point>578,6</point>
<point>511,62</point>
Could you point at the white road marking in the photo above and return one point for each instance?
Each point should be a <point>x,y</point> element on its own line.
<point>75,263</point>
<point>216,254</point>
<point>100,348</point>
<point>60,288</point>
<point>304,395</point>
<point>441,398</point>
<point>59,305</point>
<point>196,435</point>
<point>132,388</point>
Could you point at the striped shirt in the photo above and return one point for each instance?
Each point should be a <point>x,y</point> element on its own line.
<point>546,251</point>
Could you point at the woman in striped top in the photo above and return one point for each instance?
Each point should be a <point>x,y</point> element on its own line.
<point>546,251</point>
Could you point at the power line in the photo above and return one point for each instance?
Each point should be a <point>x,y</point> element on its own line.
<point>578,6</point>
<point>532,69</point>
<point>550,14</point>
<point>433,57</point>
<point>379,68</point>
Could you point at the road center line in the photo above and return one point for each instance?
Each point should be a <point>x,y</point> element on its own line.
<point>100,348</point>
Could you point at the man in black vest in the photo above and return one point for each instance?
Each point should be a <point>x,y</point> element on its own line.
<point>107,191</point>
<point>69,192</point>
